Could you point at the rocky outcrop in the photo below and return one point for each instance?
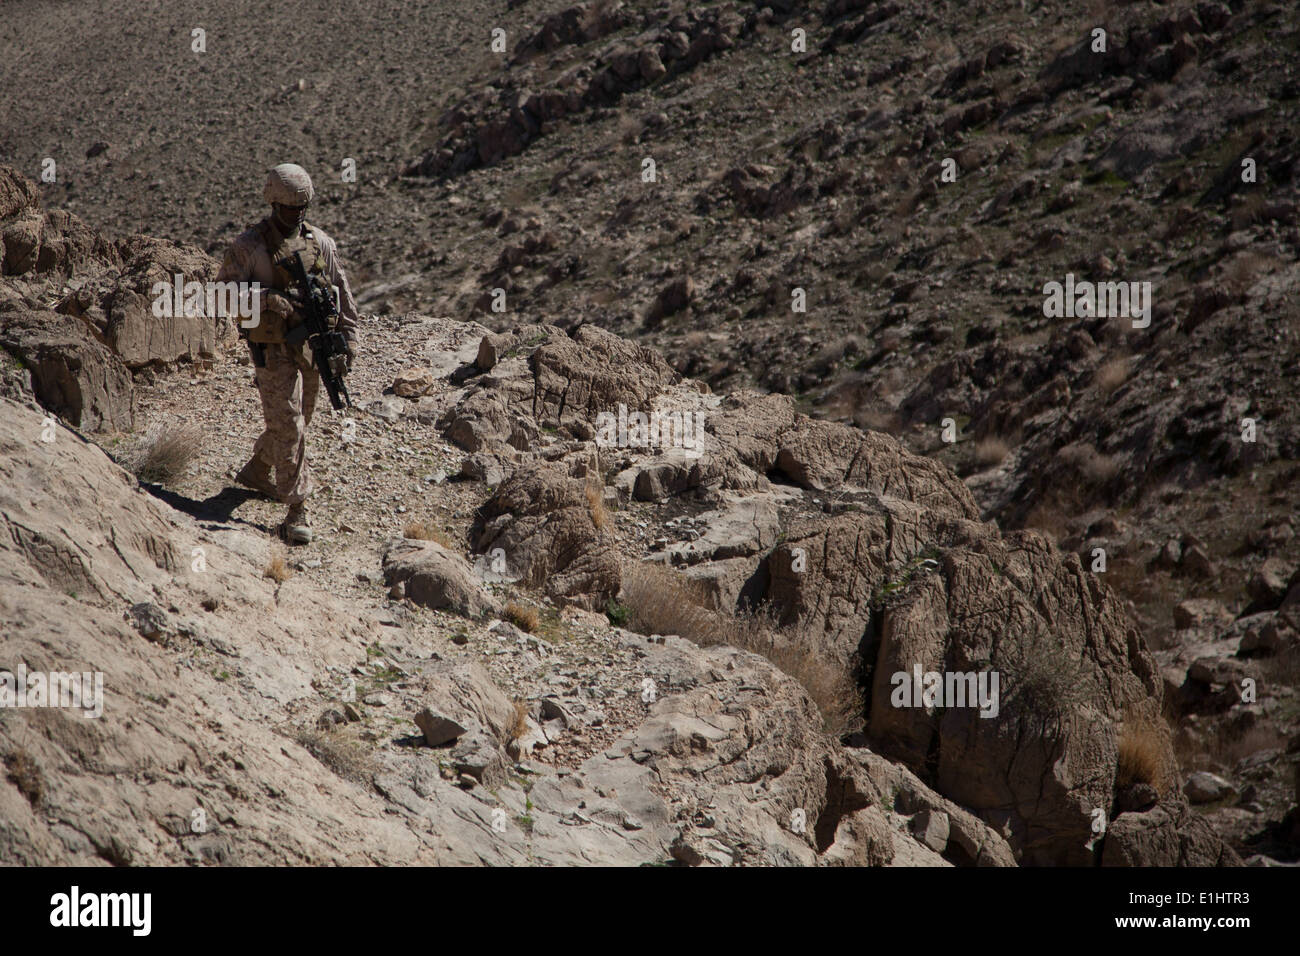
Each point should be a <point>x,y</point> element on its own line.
<point>103,327</point>
<point>72,373</point>
<point>543,526</point>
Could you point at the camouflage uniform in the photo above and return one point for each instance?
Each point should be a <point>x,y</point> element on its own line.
<point>287,380</point>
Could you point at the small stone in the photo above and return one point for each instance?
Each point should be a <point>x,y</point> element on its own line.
<point>437,729</point>
<point>1204,787</point>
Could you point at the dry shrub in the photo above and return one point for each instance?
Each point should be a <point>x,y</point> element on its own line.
<point>830,686</point>
<point>165,453</point>
<point>25,774</point>
<point>1091,465</point>
<point>629,127</point>
<point>523,617</point>
<point>1246,213</point>
<point>991,451</point>
<point>1111,375</point>
<point>596,505</point>
<point>662,602</point>
<point>1244,270</point>
<point>1141,757</point>
<point>1048,518</point>
<point>277,569</point>
<point>1041,679</point>
<point>876,419</point>
<point>518,721</point>
<point>425,531</point>
<point>339,751</point>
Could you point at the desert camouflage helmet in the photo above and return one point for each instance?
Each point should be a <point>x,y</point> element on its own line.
<point>289,185</point>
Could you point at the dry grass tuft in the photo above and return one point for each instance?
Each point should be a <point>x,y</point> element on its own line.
<point>596,505</point>
<point>1245,269</point>
<point>662,602</point>
<point>339,751</point>
<point>422,530</point>
<point>277,569</point>
<point>518,722</point>
<point>1141,755</point>
<point>165,453</point>
<point>523,617</point>
<point>1092,465</point>
<point>1111,375</point>
<point>991,451</point>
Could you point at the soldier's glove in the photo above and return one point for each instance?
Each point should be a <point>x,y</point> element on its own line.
<point>280,305</point>
<point>351,352</point>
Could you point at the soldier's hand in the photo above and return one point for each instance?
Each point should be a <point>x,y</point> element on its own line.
<point>351,353</point>
<point>280,305</point>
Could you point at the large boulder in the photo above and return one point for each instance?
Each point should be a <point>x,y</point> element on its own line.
<point>435,577</point>
<point>551,535</point>
<point>542,378</point>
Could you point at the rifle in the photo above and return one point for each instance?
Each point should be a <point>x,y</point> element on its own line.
<point>328,347</point>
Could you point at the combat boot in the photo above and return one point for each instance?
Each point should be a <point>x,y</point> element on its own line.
<point>296,528</point>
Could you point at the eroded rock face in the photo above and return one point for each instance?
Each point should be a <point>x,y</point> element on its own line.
<point>73,374</point>
<point>139,336</point>
<point>1168,835</point>
<point>897,573</point>
<point>80,355</point>
<point>890,587</point>
<point>542,378</point>
<point>730,719</point>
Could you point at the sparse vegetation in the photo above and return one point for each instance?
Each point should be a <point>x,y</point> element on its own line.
<point>618,614</point>
<point>519,722</point>
<point>165,453</point>
<point>522,616</point>
<point>1041,678</point>
<point>1111,375</point>
<point>662,602</point>
<point>277,568</point>
<point>338,750</point>
<point>25,774</point>
<point>991,451</point>
<point>596,505</point>
<point>1141,757</point>
<point>422,530</point>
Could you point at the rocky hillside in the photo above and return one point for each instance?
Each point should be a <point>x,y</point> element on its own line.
<point>824,231</point>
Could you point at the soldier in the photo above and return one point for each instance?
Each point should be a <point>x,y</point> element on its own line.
<point>286,378</point>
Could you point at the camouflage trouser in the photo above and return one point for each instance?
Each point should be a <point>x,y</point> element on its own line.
<point>288,386</point>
